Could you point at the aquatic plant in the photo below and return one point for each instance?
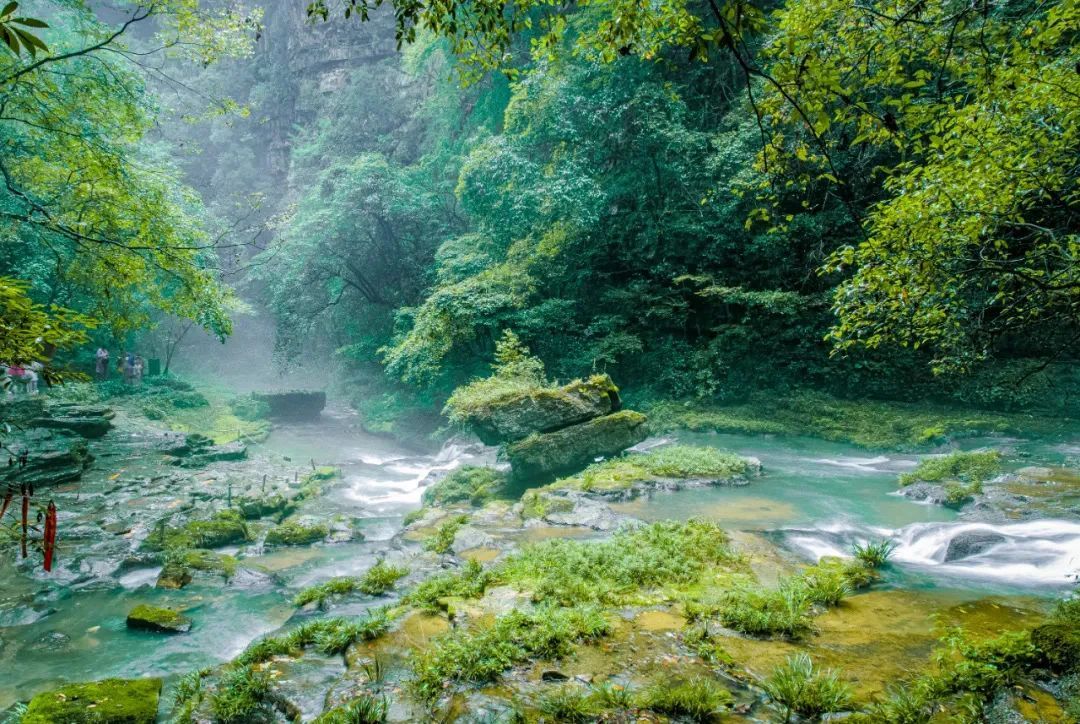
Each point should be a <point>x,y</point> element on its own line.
<point>239,694</point>
<point>611,695</point>
<point>443,538</point>
<point>800,688</point>
<point>568,703</point>
<point>365,709</point>
<point>784,610</point>
<point>873,554</point>
<point>320,593</point>
<point>294,533</point>
<point>329,635</point>
<point>662,553</point>
<point>827,586</point>
<point>698,699</point>
<point>481,654</point>
<point>469,582</point>
<point>380,578</point>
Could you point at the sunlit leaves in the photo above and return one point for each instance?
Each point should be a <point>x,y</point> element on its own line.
<point>14,33</point>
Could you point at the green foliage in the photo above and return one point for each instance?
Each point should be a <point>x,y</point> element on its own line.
<point>673,461</point>
<point>468,483</point>
<point>443,538</point>
<point>366,709</point>
<point>568,703</point>
<point>328,635</point>
<point>380,578</point>
<point>697,700</point>
<point>240,694</point>
<point>28,329</point>
<point>322,592</point>
<point>127,701</point>
<point>665,553</point>
<point>247,407</point>
<point>973,468</point>
<point>873,554</point>
<point>801,689</point>
<point>470,582</point>
<point>784,610</point>
<point>481,654</point>
<point>293,533</point>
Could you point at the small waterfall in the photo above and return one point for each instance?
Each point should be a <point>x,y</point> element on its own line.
<point>1029,554</point>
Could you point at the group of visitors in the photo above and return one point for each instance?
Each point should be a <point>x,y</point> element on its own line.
<point>20,377</point>
<point>130,366</point>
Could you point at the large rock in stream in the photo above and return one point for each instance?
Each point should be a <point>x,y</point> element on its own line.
<point>542,409</point>
<point>544,456</point>
<point>160,620</point>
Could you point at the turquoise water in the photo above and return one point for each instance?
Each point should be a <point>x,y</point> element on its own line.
<point>815,497</point>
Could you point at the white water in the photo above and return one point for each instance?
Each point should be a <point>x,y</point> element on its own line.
<point>1030,554</point>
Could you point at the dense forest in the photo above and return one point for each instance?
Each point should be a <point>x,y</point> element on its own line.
<point>542,264</point>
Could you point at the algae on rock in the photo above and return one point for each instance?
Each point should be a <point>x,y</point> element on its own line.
<point>545,455</point>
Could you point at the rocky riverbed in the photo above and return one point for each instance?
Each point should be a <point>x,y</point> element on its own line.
<point>224,534</point>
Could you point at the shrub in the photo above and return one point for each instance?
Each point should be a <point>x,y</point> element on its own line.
<point>471,484</point>
<point>957,495</point>
<point>443,539</point>
<point>800,688</point>
<point>873,554</point>
<point>698,699</point>
<point>577,571</point>
<point>966,467</point>
<point>482,654</point>
<point>366,709</point>
<point>470,582</point>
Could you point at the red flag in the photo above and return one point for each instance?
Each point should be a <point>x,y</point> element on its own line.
<point>50,535</point>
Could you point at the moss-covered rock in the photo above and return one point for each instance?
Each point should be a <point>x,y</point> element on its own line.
<point>51,467</point>
<point>277,506</point>
<point>111,701</point>
<point>292,533</point>
<point>1058,644</point>
<point>518,413</point>
<point>297,404</point>
<point>542,456</point>
<point>174,574</point>
<point>467,484</point>
<point>153,618</point>
<point>227,527</point>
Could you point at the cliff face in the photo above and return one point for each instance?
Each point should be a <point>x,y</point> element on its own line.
<point>306,66</point>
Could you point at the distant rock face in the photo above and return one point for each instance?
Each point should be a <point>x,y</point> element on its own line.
<point>198,450</point>
<point>546,455</point>
<point>544,410</point>
<point>295,405</point>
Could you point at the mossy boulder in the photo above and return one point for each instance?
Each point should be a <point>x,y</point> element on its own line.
<point>110,701</point>
<point>277,506</point>
<point>174,574</point>
<point>467,484</point>
<point>162,620</point>
<point>518,413</point>
<point>293,533</point>
<point>227,527</point>
<point>543,456</point>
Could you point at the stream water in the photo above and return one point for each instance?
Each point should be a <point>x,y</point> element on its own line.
<point>815,498</point>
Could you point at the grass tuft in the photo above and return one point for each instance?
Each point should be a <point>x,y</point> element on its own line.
<point>799,688</point>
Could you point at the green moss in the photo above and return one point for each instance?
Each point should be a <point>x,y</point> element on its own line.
<point>443,538</point>
<point>227,527</point>
<point>868,423</point>
<point>537,504</point>
<point>474,485</point>
<point>481,654</point>
<point>155,618</point>
<point>675,461</point>
<point>323,472</point>
<point>292,533</point>
<point>971,468</point>
<point>240,695</point>
<point>209,562</point>
<point>612,570</point>
<point>110,701</point>
<point>542,456</point>
<point>1058,640</point>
